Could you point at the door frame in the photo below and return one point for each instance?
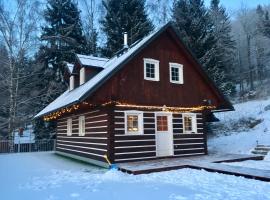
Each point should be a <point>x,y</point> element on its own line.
<point>170,130</point>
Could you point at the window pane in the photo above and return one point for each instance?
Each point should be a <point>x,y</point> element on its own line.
<point>150,70</point>
<point>69,126</point>
<point>188,123</point>
<point>175,73</point>
<point>81,125</point>
<point>132,123</point>
<point>162,123</point>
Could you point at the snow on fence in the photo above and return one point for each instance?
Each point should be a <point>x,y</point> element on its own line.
<point>9,146</point>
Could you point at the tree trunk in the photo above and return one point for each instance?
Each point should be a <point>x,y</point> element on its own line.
<point>259,58</point>
<point>11,106</point>
<point>251,80</point>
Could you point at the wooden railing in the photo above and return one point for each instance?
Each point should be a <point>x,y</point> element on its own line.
<point>9,146</point>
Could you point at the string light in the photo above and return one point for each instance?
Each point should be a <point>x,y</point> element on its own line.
<point>62,111</point>
<point>168,109</point>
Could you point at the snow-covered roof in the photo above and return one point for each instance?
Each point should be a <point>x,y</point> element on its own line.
<point>92,60</point>
<point>77,94</point>
<point>70,67</point>
<point>111,66</point>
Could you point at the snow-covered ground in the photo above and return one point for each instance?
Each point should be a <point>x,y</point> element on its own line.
<point>233,134</point>
<point>240,138</point>
<point>264,165</point>
<point>45,176</point>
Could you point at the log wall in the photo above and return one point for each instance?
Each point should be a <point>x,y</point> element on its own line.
<point>134,147</point>
<point>143,147</point>
<point>105,134</point>
<point>188,144</point>
<point>94,144</point>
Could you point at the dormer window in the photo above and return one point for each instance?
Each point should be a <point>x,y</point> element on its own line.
<point>151,69</point>
<point>82,75</point>
<point>71,82</point>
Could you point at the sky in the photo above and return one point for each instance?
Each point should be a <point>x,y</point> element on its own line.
<point>236,4</point>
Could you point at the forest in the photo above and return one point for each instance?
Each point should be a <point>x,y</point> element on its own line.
<point>38,39</point>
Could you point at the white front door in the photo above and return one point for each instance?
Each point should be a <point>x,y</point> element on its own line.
<point>164,135</point>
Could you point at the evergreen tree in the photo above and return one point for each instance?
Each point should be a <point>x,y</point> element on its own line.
<point>63,37</point>
<point>91,41</point>
<point>47,89</point>
<point>44,130</point>
<point>63,33</point>
<point>124,16</point>
<point>193,23</point>
<point>197,29</point>
<point>224,47</point>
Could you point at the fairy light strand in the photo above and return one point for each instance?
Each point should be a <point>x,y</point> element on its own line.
<point>75,107</point>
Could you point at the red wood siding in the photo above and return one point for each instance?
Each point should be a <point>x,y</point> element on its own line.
<point>90,72</point>
<point>128,84</point>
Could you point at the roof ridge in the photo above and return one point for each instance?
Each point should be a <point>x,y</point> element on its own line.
<point>110,67</point>
<point>96,57</point>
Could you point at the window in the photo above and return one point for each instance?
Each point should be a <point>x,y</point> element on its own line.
<point>71,82</point>
<point>189,123</point>
<point>81,126</point>
<point>151,69</point>
<point>133,122</point>
<point>69,126</point>
<point>176,73</point>
<point>162,123</point>
<point>82,76</point>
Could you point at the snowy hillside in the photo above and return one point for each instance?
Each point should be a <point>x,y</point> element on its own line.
<point>240,130</point>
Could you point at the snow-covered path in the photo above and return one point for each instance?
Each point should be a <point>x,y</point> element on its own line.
<point>45,176</point>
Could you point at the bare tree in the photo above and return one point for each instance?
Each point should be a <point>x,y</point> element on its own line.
<point>91,13</point>
<point>18,30</point>
<point>253,52</point>
<point>247,22</point>
<point>159,11</point>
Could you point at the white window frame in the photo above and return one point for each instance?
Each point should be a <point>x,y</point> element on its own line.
<point>69,127</point>
<point>140,122</point>
<point>82,125</point>
<point>71,82</point>
<point>156,64</point>
<point>193,121</point>
<point>82,75</point>
<point>181,74</point>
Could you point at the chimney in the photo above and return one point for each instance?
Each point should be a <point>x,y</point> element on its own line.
<point>125,40</point>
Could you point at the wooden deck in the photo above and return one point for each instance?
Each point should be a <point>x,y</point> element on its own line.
<point>212,163</point>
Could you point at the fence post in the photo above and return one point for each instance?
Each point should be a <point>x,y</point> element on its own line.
<point>19,146</point>
<point>54,144</point>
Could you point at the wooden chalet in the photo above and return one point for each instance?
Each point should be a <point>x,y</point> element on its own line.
<point>149,101</point>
